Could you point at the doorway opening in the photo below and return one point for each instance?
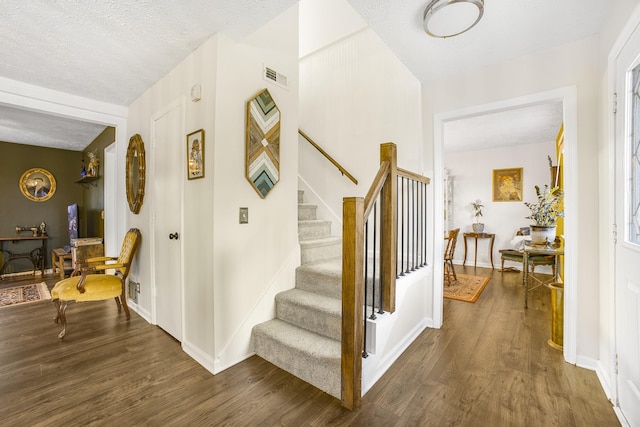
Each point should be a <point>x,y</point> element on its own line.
<point>568,98</point>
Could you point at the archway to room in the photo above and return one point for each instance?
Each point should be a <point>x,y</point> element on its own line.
<point>48,102</point>
<point>566,98</point>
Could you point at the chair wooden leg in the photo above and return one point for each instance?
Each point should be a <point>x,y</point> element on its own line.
<point>56,303</point>
<point>125,306</point>
<point>63,318</point>
<point>118,303</point>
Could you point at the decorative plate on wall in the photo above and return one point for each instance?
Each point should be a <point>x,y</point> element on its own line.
<point>263,143</point>
<point>37,184</point>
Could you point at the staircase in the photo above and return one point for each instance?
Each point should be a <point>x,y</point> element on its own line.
<point>304,338</point>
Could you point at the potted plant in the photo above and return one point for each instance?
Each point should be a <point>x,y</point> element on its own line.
<point>477,206</point>
<point>545,213</point>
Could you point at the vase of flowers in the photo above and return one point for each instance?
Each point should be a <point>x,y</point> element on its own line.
<point>477,226</point>
<point>545,214</point>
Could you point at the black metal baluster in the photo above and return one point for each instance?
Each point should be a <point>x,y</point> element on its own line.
<point>425,225</point>
<point>383,238</point>
<point>375,258</point>
<point>408,227</point>
<point>396,226</point>
<point>415,225</point>
<point>366,275</point>
<point>402,233</point>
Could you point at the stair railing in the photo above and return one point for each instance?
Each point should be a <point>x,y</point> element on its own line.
<point>342,170</point>
<point>373,257</point>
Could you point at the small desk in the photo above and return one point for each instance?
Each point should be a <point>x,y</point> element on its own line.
<point>36,256</point>
<point>477,236</point>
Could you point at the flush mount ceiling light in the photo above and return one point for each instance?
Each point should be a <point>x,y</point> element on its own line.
<point>448,18</point>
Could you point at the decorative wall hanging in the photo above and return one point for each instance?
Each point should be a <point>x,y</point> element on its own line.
<point>195,154</point>
<point>263,143</point>
<point>507,185</point>
<point>37,184</point>
<point>136,173</point>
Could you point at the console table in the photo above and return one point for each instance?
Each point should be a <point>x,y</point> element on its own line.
<point>477,236</point>
<point>36,256</point>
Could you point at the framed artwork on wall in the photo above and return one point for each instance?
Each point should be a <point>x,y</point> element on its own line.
<point>37,184</point>
<point>195,154</point>
<point>507,185</point>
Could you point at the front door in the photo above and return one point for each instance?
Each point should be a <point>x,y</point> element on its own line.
<point>168,147</point>
<point>627,217</point>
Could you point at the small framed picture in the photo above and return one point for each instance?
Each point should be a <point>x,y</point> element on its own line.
<point>195,154</point>
<point>507,185</point>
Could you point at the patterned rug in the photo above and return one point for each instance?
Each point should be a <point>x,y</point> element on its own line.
<point>24,294</point>
<point>467,288</point>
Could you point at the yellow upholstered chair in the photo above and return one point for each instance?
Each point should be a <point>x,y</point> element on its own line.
<point>91,286</point>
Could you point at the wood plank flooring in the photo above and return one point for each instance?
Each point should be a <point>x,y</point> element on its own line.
<point>490,365</point>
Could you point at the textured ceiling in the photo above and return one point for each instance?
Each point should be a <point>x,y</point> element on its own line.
<point>508,29</point>
<point>113,51</point>
<point>526,125</point>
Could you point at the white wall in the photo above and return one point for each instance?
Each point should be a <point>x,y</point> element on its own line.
<point>252,262</point>
<point>571,65</point>
<point>229,269</point>
<point>472,173</point>
<point>354,96</point>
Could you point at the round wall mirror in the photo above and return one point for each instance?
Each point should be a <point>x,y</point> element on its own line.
<point>135,173</point>
<point>37,184</point>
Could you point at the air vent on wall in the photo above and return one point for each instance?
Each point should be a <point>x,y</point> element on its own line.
<point>272,75</point>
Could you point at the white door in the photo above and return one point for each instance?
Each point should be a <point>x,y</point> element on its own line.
<point>168,147</point>
<point>627,217</point>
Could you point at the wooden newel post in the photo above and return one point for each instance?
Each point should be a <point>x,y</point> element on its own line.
<point>388,152</point>
<point>352,300</point>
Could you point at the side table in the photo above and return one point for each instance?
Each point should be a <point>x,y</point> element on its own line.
<point>477,236</point>
<point>58,257</point>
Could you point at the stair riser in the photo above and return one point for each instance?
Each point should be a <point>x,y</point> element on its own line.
<point>310,281</point>
<point>314,230</point>
<point>310,318</point>
<point>307,212</point>
<point>321,373</point>
<point>314,254</point>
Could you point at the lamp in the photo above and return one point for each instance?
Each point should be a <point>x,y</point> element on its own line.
<point>460,16</point>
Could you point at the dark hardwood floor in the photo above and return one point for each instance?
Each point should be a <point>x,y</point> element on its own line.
<point>489,365</point>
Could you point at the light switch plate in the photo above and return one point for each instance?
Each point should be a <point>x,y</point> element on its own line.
<point>244,216</point>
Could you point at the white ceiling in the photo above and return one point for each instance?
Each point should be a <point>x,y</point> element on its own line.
<point>113,51</point>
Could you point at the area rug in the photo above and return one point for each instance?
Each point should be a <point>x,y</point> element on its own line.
<point>24,294</point>
<point>467,288</point>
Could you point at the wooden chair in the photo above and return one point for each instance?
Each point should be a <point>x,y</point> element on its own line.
<point>91,286</point>
<point>449,251</point>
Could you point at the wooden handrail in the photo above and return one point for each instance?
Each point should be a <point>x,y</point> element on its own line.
<point>376,186</point>
<point>413,175</point>
<point>331,159</point>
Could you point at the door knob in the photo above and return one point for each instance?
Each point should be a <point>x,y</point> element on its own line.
<point>173,236</point>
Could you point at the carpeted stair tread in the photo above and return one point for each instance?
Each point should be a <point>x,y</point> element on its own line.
<point>307,211</point>
<point>313,229</point>
<point>324,278</point>
<point>307,355</point>
<point>322,241</point>
<point>314,312</point>
<point>319,250</point>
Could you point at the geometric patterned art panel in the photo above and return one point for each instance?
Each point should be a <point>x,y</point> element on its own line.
<point>263,143</point>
